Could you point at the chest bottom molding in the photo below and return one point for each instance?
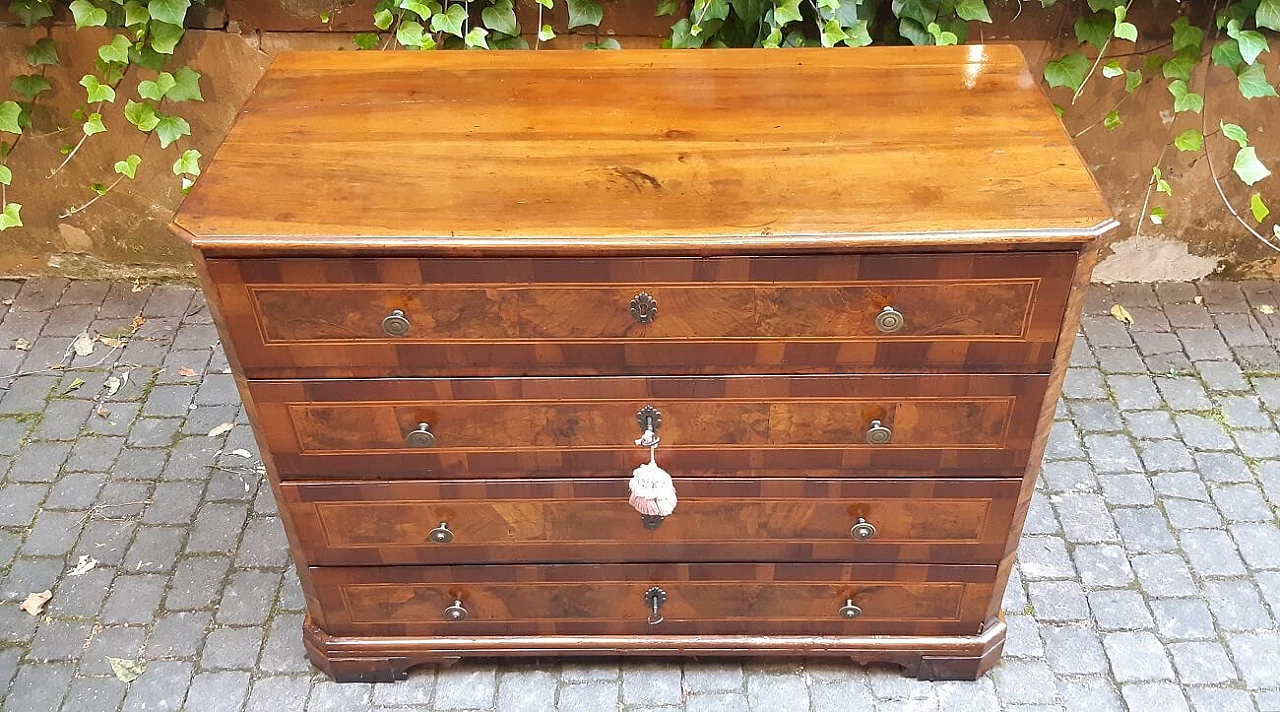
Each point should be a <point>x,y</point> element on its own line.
<point>367,658</point>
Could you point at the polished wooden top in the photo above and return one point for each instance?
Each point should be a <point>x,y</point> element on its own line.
<point>643,150</point>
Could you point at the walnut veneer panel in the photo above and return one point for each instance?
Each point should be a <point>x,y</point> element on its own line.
<point>569,599</point>
<point>968,311</point>
<point>543,427</point>
<point>958,521</point>
<point>644,150</point>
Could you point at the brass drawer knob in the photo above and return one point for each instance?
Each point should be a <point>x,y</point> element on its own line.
<point>877,434</point>
<point>455,612</point>
<point>849,611</point>
<point>889,320</point>
<point>441,534</point>
<point>862,530</point>
<point>644,308</point>
<point>422,437</point>
<point>395,324</point>
<point>650,420</point>
<point>651,521</point>
<point>653,600</point>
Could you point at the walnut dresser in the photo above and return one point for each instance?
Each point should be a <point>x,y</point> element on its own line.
<point>840,286</point>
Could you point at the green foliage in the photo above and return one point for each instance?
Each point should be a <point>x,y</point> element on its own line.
<point>129,166</point>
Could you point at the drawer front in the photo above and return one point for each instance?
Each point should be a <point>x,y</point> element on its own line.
<point>960,521</point>
<point>547,427</point>
<point>569,599</point>
<point>543,316</point>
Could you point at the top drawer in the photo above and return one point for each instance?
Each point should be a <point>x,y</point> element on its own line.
<point>344,318</point>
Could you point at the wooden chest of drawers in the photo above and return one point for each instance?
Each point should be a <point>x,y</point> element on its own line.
<point>847,282</point>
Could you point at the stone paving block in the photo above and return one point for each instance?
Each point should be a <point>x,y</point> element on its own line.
<point>137,464</point>
<point>1156,343</point>
<point>217,528</point>
<point>1202,663</point>
<point>54,533</point>
<point>20,502</point>
<point>1219,699</point>
<point>1183,393</point>
<point>1023,637</point>
<point>1258,443</point>
<point>169,400</point>
<point>1164,697</point>
<point>162,687</point>
<point>283,693</point>
<point>191,458</point>
<point>105,540</point>
<point>94,693</point>
<point>1222,467</point>
<point>231,648</point>
<point>1096,416</point>
<point>1058,600</point>
<point>1095,694</point>
<point>1111,453</point>
<point>1187,514</point>
<point>81,596</point>
<point>1203,433</point>
<point>1119,610</point>
<point>1041,518</point>
<point>1064,442</point>
<point>784,693</point>
<point>39,293</point>
<point>589,697</point>
<point>1164,456</point>
<point>1163,575</point>
<point>1243,412</point>
<point>220,692</point>
<point>1121,360</point>
<point>714,676</point>
<point>1222,376</point>
<point>1259,544</point>
<point>112,641</point>
<point>1015,596</point>
<point>1242,503</point>
<point>1144,530</point>
<point>1180,485</point>
<point>39,461</point>
<point>1204,344</point>
<point>466,686</point>
<point>1127,489</point>
<point>1137,656</point>
<point>1082,383</point>
<point>134,599</point>
<point>247,597</point>
<point>1043,557</point>
<point>60,639</point>
<point>39,686</point>
<point>76,490</point>
<point>112,418</point>
<point>1024,681</point>
<point>281,653</point>
<point>1211,553</point>
<point>196,582</point>
<point>1102,565</point>
<point>1236,605</point>
<point>154,432</point>
<point>264,544</point>
<point>1068,476</point>
<point>1074,650</point>
<point>1150,424</point>
<point>174,503</point>
<point>1257,656</point>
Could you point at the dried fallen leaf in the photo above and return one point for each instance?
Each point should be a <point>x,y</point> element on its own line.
<point>1266,309</point>
<point>102,412</point>
<point>7,302</point>
<point>241,452</point>
<point>35,602</point>
<point>83,344</point>
<point>138,321</point>
<point>21,344</point>
<point>1122,315</point>
<point>112,386</point>
<point>74,385</point>
<point>221,429</point>
<point>127,670</point>
<point>1198,300</point>
<point>111,341</point>
<point>188,372</point>
<point>84,566</point>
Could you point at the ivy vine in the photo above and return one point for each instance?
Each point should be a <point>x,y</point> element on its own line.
<point>146,35</point>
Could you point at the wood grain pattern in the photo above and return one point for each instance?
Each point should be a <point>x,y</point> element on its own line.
<point>573,599</point>
<point>761,150</point>
<point>955,521</point>
<point>550,427</point>
<point>469,317</point>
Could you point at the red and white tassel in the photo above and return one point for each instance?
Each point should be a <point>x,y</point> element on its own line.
<point>652,490</point>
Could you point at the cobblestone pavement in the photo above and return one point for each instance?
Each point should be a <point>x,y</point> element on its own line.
<point>1149,576</point>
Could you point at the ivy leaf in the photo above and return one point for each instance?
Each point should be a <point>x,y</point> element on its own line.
<point>382,19</point>
<point>1268,15</point>
<point>1187,36</point>
<point>665,7</point>
<point>129,166</point>
<point>832,34</point>
<point>1158,215</point>
<point>9,113</point>
<point>922,11</point>
<point>1235,133</point>
<point>1258,208</point>
<point>1184,99</point>
<point>859,36</point>
<point>1112,120</point>
<point>1067,72</point>
<point>1094,29</point>
<point>940,36</point>
<point>188,163</point>
<point>95,90</point>
<point>117,52</point>
<point>973,10</point>
<point>6,175</point>
<point>1248,167</point>
<point>501,17</point>
<point>546,33</point>
<point>773,40</point>
<point>1189,140</point>
<point>30,85</point>
<point>1132,80</point>
<point>365,40</point>
<point>1253,82</point>
<point>606,43</point>
<point>1251,45</point>
<point>172,128</point>
<point>11,216</point>
<point>410,34</point>
<point>94,125</point>
<point>1112,69</point>
<point>156,90</point>
<point>1227,54</point>
<point>450,21</point>
<point>164,36</point>
<point>186,86</point>
<point>173,12</point>
<point>43,53</point>
<point>424,11</point>
<point>87,15</point>
<point>545,3</point>
<point>682,38</point>
<point>141,114</point>
<point>788,11</point>
<point>31,11</point>
<point>585,12</point>
<point>475,38</point>
<point>1162,185</point>
<point>1179,67</point>
<point>135,13</point>
<point>1124,30</point>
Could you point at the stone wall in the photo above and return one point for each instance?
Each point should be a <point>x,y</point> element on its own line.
<point>124,233</point>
